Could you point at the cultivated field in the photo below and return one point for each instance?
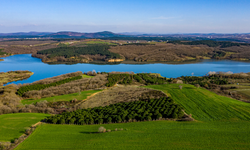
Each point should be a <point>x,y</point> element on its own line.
<point>142,135</point>
<point>205,105</point>
<point>13,125</point>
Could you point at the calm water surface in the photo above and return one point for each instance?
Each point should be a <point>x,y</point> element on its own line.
<point>42,70</point>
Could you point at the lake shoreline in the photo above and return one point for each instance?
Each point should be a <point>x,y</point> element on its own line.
<point>43,70</point>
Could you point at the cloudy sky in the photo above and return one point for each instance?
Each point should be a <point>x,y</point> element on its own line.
<point>146,16</point>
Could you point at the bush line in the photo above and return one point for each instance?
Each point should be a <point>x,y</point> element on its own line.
<point>27,88</point>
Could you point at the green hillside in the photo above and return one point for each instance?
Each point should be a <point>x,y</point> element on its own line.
<point>223,123</point>
<point>13,125</point>
<point>205,105</point>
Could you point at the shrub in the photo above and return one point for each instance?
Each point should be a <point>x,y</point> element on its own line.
<point>101,130</point>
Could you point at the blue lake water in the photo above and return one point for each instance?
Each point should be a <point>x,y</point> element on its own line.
<point>42,70</point>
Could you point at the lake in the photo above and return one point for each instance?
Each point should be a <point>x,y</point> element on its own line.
<point>42,70</point>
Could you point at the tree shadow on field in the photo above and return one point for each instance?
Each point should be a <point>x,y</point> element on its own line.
<point>22,132</point>
<point>89,132</point>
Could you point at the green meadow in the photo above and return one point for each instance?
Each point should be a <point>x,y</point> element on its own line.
<point>13,125</point>
<point>142,135</point>
<point>221,123</point>
<point>86,76</point>
<point>79,96</point>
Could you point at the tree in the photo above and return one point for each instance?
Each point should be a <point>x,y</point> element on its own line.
<point>54,120</point>
<point>62,121</point>
<point>109,120</point>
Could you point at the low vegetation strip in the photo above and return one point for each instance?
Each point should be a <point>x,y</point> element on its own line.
<point>153,135</point>
<point>13,125</point>
<point>205,105</point>
<point>119,94</point>
<point>27,88</point>
<point>67,97</point>
<point>121,112</point>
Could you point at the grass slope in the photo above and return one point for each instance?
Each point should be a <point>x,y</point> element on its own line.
<point>222,125</point>
<point>13,125</point>
<point>86,76</point>
<point>67,97</point>
<point>142,135</point>
<point>205,105</point>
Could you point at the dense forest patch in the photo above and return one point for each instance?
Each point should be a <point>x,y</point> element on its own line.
<point>138,111</point>
<point>72,51</point>
<point>210,43</point>
<point>144,78</point>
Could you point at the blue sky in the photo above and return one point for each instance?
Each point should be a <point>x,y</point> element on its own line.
<point>147,16</point>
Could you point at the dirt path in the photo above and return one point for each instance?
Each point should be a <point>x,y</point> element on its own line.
<point>88,97</point>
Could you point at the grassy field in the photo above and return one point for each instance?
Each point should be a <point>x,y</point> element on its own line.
<point>241,88</point>
<point>79,96</point>
<point>86,76</point>
<point>222,123</point>
<point>13,125</point>
<point>205,105</point>
<point>142,135</point>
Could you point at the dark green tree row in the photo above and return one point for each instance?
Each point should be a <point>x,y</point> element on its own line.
<point>115,78</point>
<point>137,44</point>
<point>219,54</point>
<point>27,88</point>
<point>68,52</point>
<point>144,78</point>
<point>121,112</point>
<point>205,80</point>
<point>209,43</point>
<point>149,79</point>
